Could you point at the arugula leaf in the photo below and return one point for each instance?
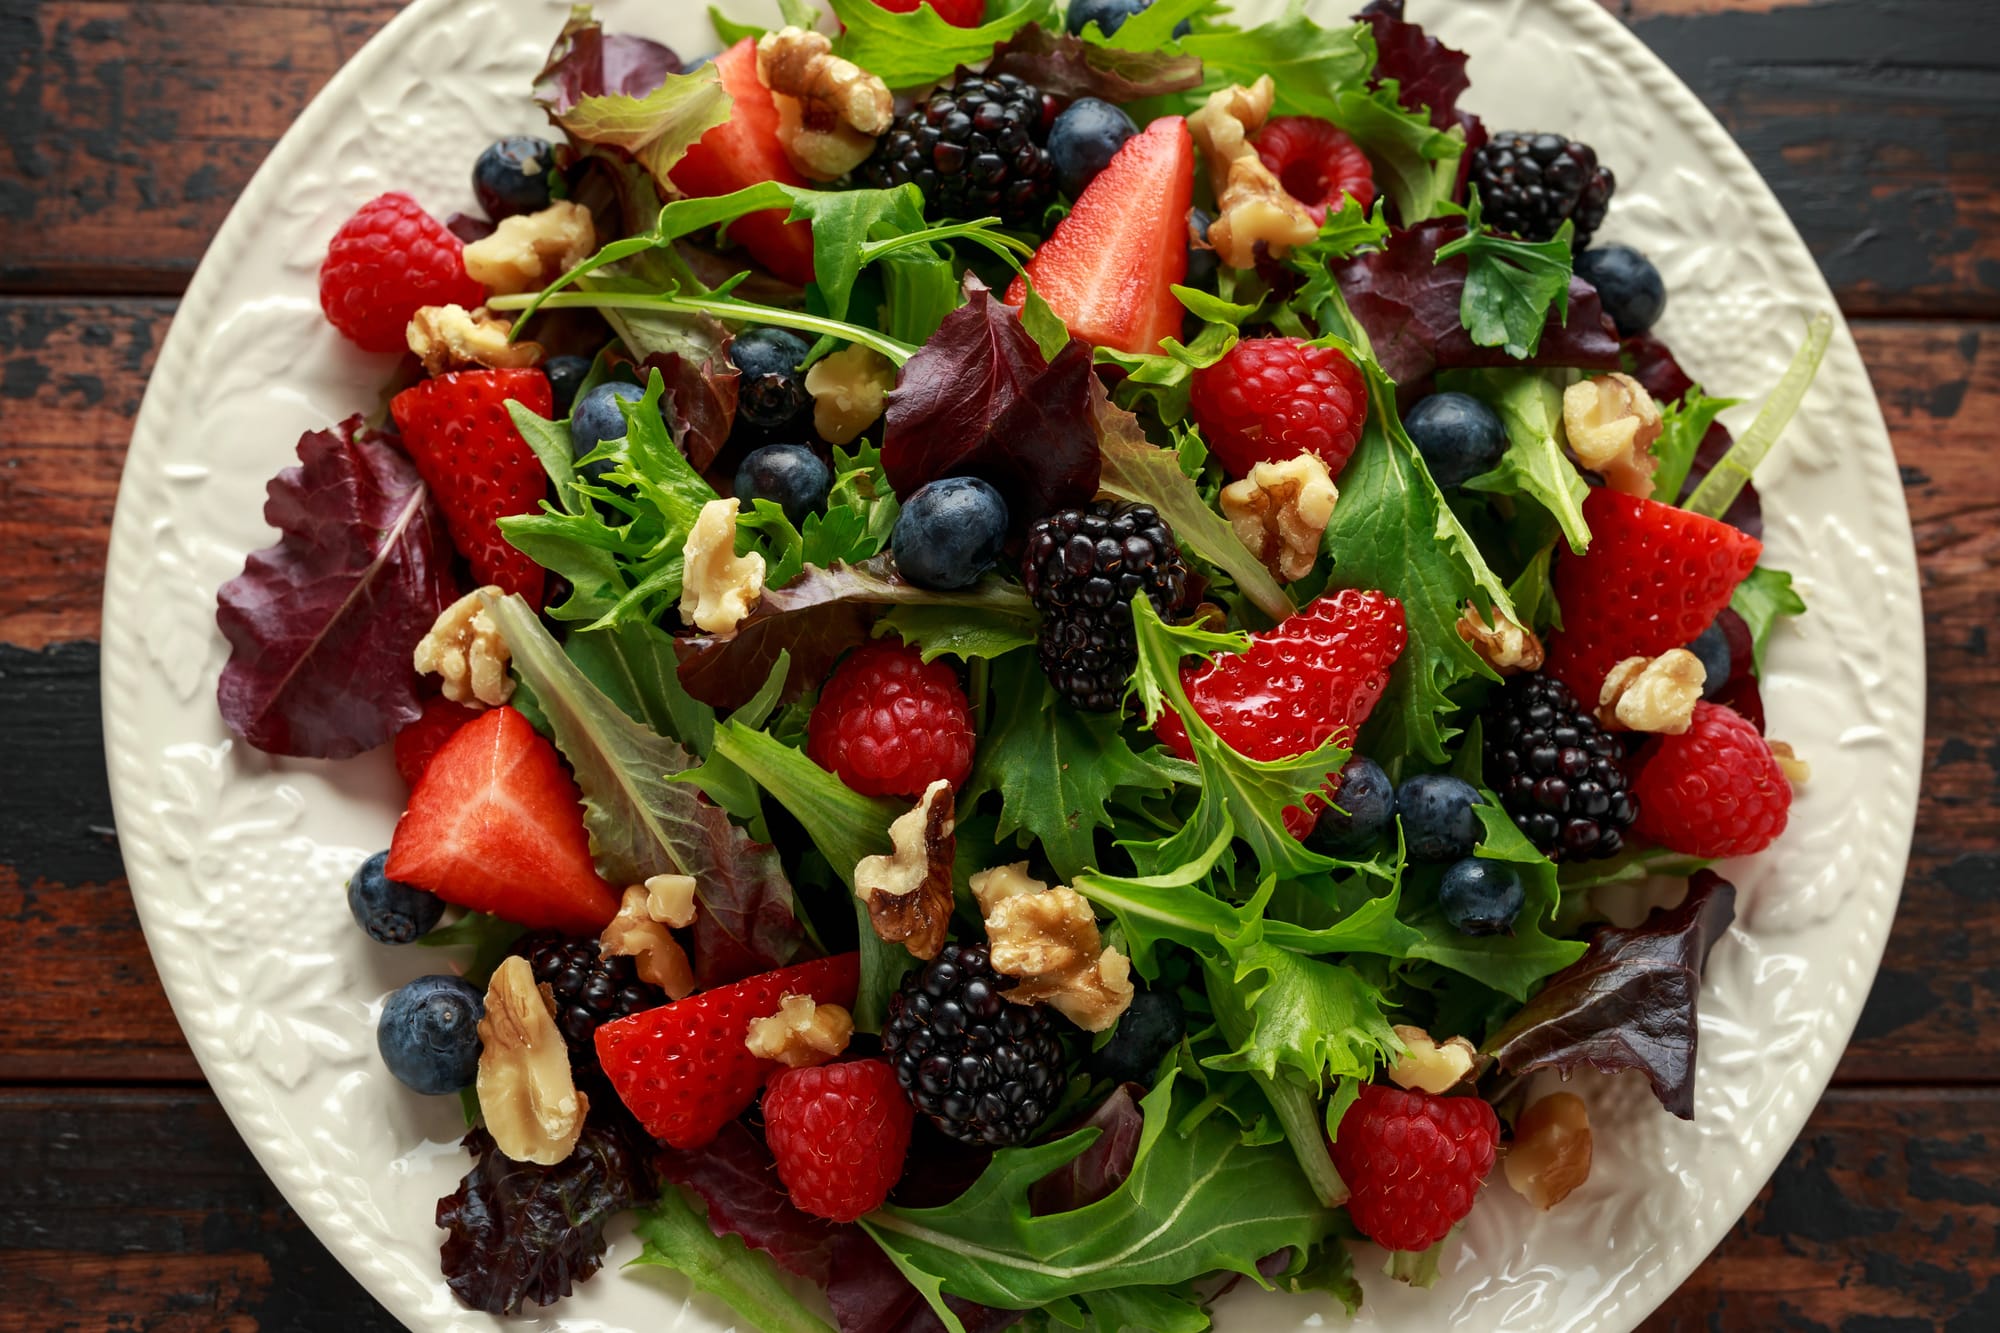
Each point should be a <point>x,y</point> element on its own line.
<point>485,940</point>
<point>656,129</point>
<point>905,50</point>
<point>1530,407</point>
<point>1166,377</point>
<point>1329,1268</point>
<point>1342,234</point>
<point>1511,284</point>
<point>1762,600</point>
<point>728,31</point>
<point>677,1235</point>
<point>1684,424</point>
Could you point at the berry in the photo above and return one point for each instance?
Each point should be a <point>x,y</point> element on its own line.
<point>589,988</point>
<point>770,388</point>
<point>1481,897</point>
<point>985,1071</point>
<point>428,1034</point>
<point>596,419</point>
<point>975,149</point>
<point>1311,679</point>
<point>1203,263</point>
<point>1085,139</point>
<point>1154,1024</point>
<point>745,150</point>
<point>1438,823</point>
<point>496,825</point>
<point>839,1134</point>
<point>1110,15</point>
<point>1081,569</point>
<point>889,723</point>
<point>1458,435</point>
<point>512,176</point>
<point>1414,1163</point>
<point>949,532</point>
<point>1715,791</point>
<point>958,13</point>
<point>418,743</point>
<point>385,263</point>
<point>1531,183</point>
<point>1271,399</point>
<point>1630,288</point>
<point>790,476</point>
<point>1110,268</point>
<point>1317,163</point>
<point>1712,647</point>
<point>457,431</point>
<point>566,375</point>
<point>1557,771</point>
<point>1361,814</point>
<point>1654,578</point>
<point>391,912</point>
<point>683,1069</point>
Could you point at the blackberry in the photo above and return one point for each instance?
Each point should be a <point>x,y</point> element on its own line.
<point>1081,568</point>
<point>1530,182</point>
<point>977,148</point>
<point>590,990</point>
<point>985,1071</point>
<point>1556,771</point>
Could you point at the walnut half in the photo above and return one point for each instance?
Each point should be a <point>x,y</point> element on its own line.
<point>801,1033</point>
<point>720,587</point>
<point>1250,203</point>
<point>1550,1154</point>
<point>1503,644</point>
<point>527,252</point>
<point>908,892</point>
<point>1048,939</point>
<point>1427,1066</point>
<point>526,1095</point>
<point>1652,694</point>
<point>450,337</point>
<point>465,650</point>
<point>1280,512</point>
<point>638,934</point>
<point>849,389</point>
<point>1611,423</point>
<point>830,110</point>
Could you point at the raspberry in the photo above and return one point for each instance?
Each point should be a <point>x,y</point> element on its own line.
<point>890,724</point>
<point>1715,791</point>
<point>387,262</point>
<point>1316,163</point>
<point>839,1134</point>
<point>1081,568</point>
<point>1414,1163</point>
<point>1273,398</point>
<point>958,13</point>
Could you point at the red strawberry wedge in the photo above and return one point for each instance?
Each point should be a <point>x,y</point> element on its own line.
<point>744,151</point>
<point>683,1069</point>
<point>1109,270</point>
<point>1653,579</point>
<point>419,743</point>
<point>457,431</point>
<point>496,825</point>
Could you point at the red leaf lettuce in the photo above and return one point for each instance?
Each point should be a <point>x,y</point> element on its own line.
<point>588,62</point>
<point>1064,65</point>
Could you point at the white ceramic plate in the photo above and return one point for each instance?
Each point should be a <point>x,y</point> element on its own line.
<point>237,860</point>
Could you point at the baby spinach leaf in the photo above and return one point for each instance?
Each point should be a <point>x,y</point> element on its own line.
<point>1530,407</point>
<point>1763,599</point>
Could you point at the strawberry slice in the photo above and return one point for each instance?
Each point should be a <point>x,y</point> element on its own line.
<point>683,1069</point>
<point>418,743</point>
<point>1109,269</point>
<point>457,431</point>
<point>1312,678</point>
<point>744,151</point>
<point>495,824</point>
<point>1653,579</point>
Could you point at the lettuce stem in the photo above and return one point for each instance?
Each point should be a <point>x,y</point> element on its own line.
<point>1726,480</point>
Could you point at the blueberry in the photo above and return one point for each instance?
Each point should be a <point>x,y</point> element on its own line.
<point>771,389</point>
<point>1203,264</point>
<point>597,418</point>
<point>1481,897</point>
<point>1110,15</point>
<point>512,176</point>
<point>1712,647</point>
<point>791,476</point>
<point>949,533</point>
<point>1628,285</point>
<point>566,375</point>
<point>1152,1026</point>
<point>390,911</point>
<point>1438,823</point>
<point>1363,811</point>
<point>1085,139</point>
<point>429,1033</point>
<point>1459,436</point>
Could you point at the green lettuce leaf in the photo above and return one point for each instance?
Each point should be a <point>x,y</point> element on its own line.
<point>1175,1309</point>
<point>1511,284</point>
<point>656,129</point>
<point>1416,162</point>
<point>1682,426</point>
<point>677,1236</point>
<point>1763,599</point>
<point>905,50</point>
<point>1530,407</point>
<point>1311,65</point>
<point>1309,1020</point>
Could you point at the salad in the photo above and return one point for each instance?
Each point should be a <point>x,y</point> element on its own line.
<point>1019,637</point>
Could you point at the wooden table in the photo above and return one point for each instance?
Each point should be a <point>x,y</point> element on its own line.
<point>127,1201</point>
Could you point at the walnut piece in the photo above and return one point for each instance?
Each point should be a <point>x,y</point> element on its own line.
<point>1796,770</point>
<point>528,252</point>
<point>1428,1067</point>
<point>526,1095</point>
<point>1047,938</point>
<point>908,892</point>
<point>830,111</point>
<point>849,389</point>
<point>465,650</point>
<point>801,1033</point>
<point>450,337</point>
<point>656,955</point>
<point>1250,203</point>
<point>670,900</point>
<point>1280,512</point>
<point>1611,423</point>
<point>720,586</point>
<point>1504,645</point>
<point>1550,1154</point>
<point>1652,694</point>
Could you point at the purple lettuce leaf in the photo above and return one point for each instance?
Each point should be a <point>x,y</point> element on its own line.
<point>321,624</point>
<point>746,924</point>
<point>703,394</point>
<point>1430,75</point>
<point>588,62</point>
<point>1741,691</point>
<point>1064,65</point>
<point>1102,1167</point>
<point>1652,363</point>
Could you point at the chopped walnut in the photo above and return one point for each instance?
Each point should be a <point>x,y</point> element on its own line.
<point>908,892</point>
<point>1047,938</point>
<point>465,650</point>
<point>656,955</point>
<point>450,337</point>
<point>1796,770</point>
<point>526,1095</point>
<point>992,887</point>
<point>849,389</point>
<point>801,1033</point>
<point>1250,203</point>
<point>1505,645</point>
<point>1428,1067</point>
<point>670,899</point>
<point>720,587</point>
<point>830,110</point>
<point>528,252</point>
<point>1280,512</point>
<point>1611,423</point>
<point>1652,694</point>
<point>1550,1154</point>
